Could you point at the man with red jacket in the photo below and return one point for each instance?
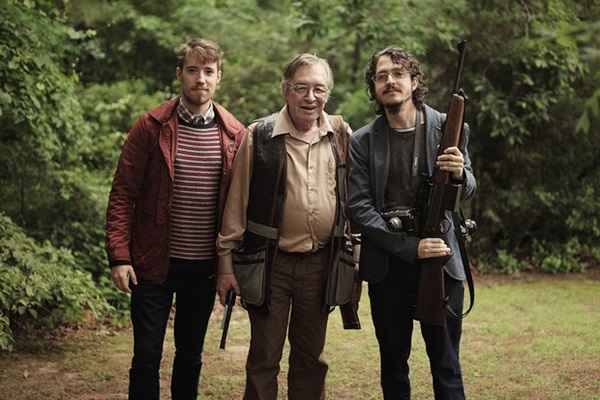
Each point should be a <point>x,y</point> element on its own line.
<point>163,214</point>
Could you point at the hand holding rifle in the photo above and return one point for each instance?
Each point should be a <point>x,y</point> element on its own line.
<point>442,194</point>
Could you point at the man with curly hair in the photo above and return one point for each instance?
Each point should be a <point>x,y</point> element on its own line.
<point>389,158</point>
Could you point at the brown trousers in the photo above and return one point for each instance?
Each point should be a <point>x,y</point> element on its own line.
<point>298,282</point>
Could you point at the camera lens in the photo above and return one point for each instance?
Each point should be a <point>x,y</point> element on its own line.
<point>471,225</point>
<point>395,224</point>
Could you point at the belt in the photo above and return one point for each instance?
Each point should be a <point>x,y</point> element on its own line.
<point>319,250</point>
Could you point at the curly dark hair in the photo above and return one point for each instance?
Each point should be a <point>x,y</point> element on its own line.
<point>407,61</point>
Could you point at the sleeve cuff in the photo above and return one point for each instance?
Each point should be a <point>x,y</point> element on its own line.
<point>116,263</point>
<point>458,180</point>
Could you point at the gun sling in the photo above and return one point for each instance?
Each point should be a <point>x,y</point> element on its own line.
<point>458,223</point>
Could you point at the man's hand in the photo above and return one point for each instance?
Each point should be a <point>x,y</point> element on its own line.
<point>226,281</point>
<point>121,275</point>
<point>452,161</point>
<point>431,248</point>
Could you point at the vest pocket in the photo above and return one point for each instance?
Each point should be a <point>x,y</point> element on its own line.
<point>250,273</point>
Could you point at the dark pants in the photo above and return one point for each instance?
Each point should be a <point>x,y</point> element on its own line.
<point>297,283</point>
<point>392,309</point>
<point>194,287</point>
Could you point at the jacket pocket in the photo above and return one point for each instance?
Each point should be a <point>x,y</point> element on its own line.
<point>145,237</point>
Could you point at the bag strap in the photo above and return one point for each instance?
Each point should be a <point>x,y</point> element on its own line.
<point>339,143</point>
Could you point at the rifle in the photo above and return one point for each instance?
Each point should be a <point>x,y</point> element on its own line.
<point>441,195</point>
<point>229,303</point>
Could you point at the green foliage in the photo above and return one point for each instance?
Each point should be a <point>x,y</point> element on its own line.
<point>41,286</point>
<point>560,258</point>
<point>77,74</point>
<point>131,37</point>
<point>507,263</point>
<point>537,174</point>
<point>38,107</point>
<point>109,110</point>
<point>43,126</point>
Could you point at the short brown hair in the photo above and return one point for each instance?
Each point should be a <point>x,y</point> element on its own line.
<point>301,60</point>
<point>207,50</point>
<point>408,62</point>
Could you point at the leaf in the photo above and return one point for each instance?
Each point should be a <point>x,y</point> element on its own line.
<point>583,124</point>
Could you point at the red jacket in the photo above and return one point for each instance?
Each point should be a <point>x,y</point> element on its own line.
<point>138,214</point>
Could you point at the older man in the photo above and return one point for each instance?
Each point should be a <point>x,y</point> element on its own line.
<point>285,200</point>
<point>162,220</point>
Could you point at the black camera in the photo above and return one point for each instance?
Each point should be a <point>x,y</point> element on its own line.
<point>401,219</point>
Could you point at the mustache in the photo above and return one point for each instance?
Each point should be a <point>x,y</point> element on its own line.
<point>390,88</point>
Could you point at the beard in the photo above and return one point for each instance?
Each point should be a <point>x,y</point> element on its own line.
<point>393,106</point>
<point>196,98</point>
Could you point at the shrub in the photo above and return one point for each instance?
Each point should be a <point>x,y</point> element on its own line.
<point>508,264</point>
<point>41,286</point>
<point>560,259</point>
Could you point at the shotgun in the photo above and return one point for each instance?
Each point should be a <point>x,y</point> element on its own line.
<point>439,195</point>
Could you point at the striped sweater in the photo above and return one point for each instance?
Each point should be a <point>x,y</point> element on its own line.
<point>198,163</point>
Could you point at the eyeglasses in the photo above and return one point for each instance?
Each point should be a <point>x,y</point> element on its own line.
<point>303,89</point>
<point>396,74</point>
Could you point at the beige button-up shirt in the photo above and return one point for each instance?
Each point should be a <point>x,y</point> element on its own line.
<point>310,203</point>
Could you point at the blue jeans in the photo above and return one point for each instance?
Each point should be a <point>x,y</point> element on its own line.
<point>392,308</point>
<point>193,284</point>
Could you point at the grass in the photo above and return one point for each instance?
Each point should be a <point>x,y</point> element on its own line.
<point>532,338</point>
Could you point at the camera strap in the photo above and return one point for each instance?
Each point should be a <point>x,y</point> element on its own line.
<point>418,145</point>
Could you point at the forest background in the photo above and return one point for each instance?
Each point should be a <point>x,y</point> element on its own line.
<point>75,75</point>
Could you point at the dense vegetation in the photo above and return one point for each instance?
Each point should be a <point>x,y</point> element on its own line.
<point>76,74</point>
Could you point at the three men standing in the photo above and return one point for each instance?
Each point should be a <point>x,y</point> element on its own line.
<point>388,159</point>
<point>163,216</point>
<point>177,186</point>
<point>285,181</point>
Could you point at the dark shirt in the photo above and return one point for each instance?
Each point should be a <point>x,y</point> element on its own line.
<point>401,186</point>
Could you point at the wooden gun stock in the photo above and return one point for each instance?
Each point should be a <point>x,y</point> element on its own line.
<point>431,298</point>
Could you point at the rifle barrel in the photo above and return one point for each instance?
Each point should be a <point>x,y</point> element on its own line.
<point>461,46</point>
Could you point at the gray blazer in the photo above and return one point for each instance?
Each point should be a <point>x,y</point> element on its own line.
<point>369,161</point>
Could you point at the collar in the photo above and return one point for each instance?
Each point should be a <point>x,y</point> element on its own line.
<point>195,119</point>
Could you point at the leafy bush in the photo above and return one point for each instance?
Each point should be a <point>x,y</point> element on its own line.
<point>40,286</point>
<point>508,264</point>
<point>555,258</point>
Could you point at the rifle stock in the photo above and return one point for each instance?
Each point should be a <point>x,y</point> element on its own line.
<point>442,195</point>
